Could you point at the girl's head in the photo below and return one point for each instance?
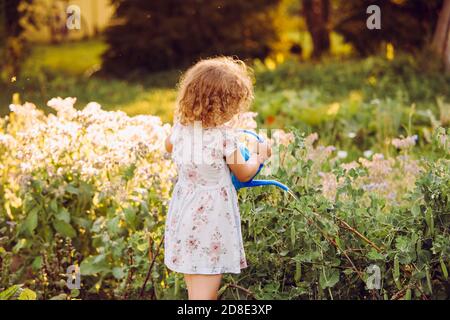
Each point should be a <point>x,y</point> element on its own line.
<point>213,91</point>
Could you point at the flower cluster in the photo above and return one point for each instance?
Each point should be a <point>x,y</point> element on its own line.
<point>405,143</point>
<point>389,178</point>
<point>93,145</point>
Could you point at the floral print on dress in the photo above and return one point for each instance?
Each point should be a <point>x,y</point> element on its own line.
<point>203,231</point>
<point>216,248</point>
<point>192,243</point>
<point>224,193</point>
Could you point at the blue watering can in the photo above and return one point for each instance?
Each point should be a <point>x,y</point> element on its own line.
<point>254,183</point>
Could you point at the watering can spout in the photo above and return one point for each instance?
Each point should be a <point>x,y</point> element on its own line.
<point>257,183</point>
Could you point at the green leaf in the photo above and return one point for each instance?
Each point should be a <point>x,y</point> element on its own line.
<point>74,293</point>
<point>61,296</point>
<point>118,273</point>
<point>27,294</point>
<point>443,268</point>
<point>54,205</point>
<point>71,189</point>
<point>64,229</point>
<point>82,222</point>
<point>37,263</point>
<point>375,255</point>
<point>19,245</point>
<point>298,271</point>
<point>129,172</point>
<point>130,216</point>
<point>415,210</point>
<point>94,264</point>
<point>63,215</point>
<point>8,293</point>
<point>407,295</point>
<point>328,278</point>
<point>293,235</point>
<point>113,225</point>
<point>428,275</point>
<point>31,220</point>
<point>142,246</point>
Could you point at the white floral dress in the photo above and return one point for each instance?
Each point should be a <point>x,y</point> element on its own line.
<point>203,226</point>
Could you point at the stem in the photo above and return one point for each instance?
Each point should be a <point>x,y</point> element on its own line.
<point>360,235</point>
<point>232,285</point>
<point>150,268</point>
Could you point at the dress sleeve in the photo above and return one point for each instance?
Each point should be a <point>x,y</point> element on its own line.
<point>173,135</point>
<point>230,142</point>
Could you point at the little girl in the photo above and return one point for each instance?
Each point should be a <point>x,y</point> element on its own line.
<point>203,231</point>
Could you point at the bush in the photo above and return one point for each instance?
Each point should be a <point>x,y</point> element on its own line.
<point>85,188</point>
<point>324,245</point>
<point>153,36</point>
<point>91,188</point>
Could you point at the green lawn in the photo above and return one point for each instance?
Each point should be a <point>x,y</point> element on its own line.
<point>65,70</point>
<point>72,58</point>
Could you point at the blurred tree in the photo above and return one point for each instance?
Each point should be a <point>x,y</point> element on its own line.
<point>287,23</point>
<point>156,35</point>
<point>11,40</point>
<point>317,13</point>
<point>441,39</point>
<point>407,24</point>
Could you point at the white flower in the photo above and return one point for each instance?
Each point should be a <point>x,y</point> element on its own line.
<point>368,153</point>
<point>405,143</point>
<point>282,137</point>
<point>342,154</point>
<point>351,135</point>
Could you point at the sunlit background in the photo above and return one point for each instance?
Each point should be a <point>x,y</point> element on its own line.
<point>361,89</point>
<point>314,60</point>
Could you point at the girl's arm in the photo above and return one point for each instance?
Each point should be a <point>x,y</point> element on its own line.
<point>245,170</point>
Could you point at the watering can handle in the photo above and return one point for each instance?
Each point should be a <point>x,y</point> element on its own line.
<point>259,138</point>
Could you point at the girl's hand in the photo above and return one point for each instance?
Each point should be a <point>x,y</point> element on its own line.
<point>168,144</point>
<point>264,151</point>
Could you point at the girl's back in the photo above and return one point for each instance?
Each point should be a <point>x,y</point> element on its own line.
<point>200,155</point>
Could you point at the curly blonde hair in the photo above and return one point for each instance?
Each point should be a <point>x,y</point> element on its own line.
<point>213,91</point>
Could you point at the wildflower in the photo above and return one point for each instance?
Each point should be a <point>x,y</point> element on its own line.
<point>282,137</point>
<point>372,80</point>
<point>270,120</point>
<point>349,166</point>
<point>405,143</point>
<point>333,109</point>
<point>390,51</point>
<point>342,154</point>
<point>368,153</point>
<point>329,185</point>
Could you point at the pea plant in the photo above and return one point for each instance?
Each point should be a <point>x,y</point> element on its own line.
<point>90,189</point>
<point>322,247</point>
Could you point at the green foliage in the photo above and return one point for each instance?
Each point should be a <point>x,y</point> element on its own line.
<point>373,99</point>
<point>310,248</point>
<point>406,24</point>
<point>316,249</point>
<point>16,292</point>
<point>68,59</point>
<point>295,249</point>
<point>160,35</point>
